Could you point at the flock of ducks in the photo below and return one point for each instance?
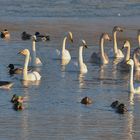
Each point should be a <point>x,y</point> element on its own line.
<point>126,62</point>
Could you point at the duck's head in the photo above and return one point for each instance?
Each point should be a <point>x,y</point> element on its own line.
<point>11,66</point>
<point>117,29</point>
<point>84,43</point>
<point>70,35</point>
<point>37,33</point>
<point>86,100</point>
<point>115,104</point>
<point>106,36</point>
<point>24,52</point>
<point>130,62</point>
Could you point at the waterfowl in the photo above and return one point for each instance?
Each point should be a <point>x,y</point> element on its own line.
<point>25,36</point>
<point>117,52</point>
<point>82,65</point>
<point>14,70</point>
<point>115,104</point>
<point>42,37</point>
<point>5,34</point>
<point>6,84</point>
<point>101,57</point>
<point>29,76</point>
<point>123,64</point>
<point>15,98</point>
<point>86,101</point>
<point>131,84</point>
<point>35,60</point>
<point>18,106</point>
<point>65,55</point>
<point>121,109</point>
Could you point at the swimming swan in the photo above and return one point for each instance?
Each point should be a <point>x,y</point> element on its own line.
<point>117,52</point>
<point>123,64</point>
<point>131,85</point>
<point>65,55</point>
<point>29,76</point>
<point>82,65</point>
<point>35,60</point>
<point>101,57</point>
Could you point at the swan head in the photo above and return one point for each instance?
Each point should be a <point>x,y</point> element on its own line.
<point>34,38</point>
<point>70,36</point>
<point>117,29</point>
<point>106,36</point>
<point>84,43</point>
<point>130,62</point>
<point>24,52</point>
<point>126,44</point>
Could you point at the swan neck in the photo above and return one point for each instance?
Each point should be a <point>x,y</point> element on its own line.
<point>136,61</point>
<point>26,66</point>
<point>34,52</point>
<point>64,44</point>
<point>131,86</point>
<point>127,53</point>
<point>115,42</point>
<point>102,49</point>
<point>81,55</point>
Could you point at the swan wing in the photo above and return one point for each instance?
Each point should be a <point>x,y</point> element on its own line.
<point>33,76</point>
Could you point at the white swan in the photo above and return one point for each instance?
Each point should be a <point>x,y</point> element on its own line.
<point>131,85</point>
<point>123,64</point>
<point>117,52</point>
<point>101,57</point>
<point>82,65</point>
<point>65,55</point>
<point>35,60</point>
<point>29,76</point>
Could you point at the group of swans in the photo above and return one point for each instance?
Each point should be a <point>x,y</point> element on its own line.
<point>100,57</point>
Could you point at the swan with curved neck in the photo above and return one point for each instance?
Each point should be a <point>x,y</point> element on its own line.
<point>131,84</point>
<point>117,52</point>
<point>35,60</point>
<point>101,57</point>
<point>28,76</point>
<point>65,55</point>
<point>123,64</point>
<point>82,65</point>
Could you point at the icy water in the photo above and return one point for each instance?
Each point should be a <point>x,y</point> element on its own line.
<point>52,106</point>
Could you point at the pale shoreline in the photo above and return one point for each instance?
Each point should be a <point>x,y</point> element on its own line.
<point>83,28</point>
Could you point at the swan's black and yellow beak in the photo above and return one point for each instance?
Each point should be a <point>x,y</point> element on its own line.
<point>24,52</point>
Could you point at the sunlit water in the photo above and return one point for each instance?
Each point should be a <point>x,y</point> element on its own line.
<point>52,106</point>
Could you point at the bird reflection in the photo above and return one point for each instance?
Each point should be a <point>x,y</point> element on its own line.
<point>81,80</point>
<point>25,116</point>
<point>26,83</point>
